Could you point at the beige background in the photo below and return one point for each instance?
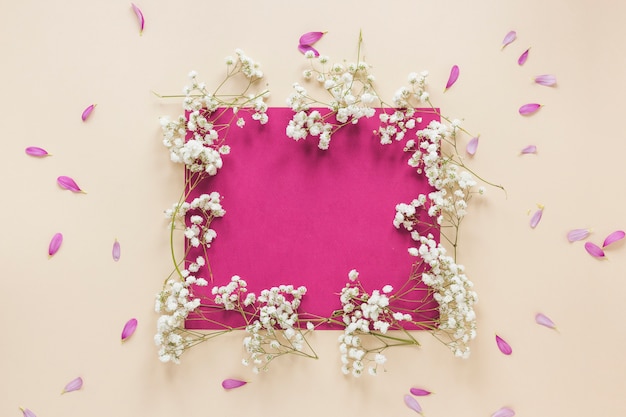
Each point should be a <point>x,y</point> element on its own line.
<point>61,318</point>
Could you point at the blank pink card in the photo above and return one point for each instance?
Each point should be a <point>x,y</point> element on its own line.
<point>299,215</point>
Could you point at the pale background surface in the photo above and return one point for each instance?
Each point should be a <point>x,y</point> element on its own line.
<point>61,318</point>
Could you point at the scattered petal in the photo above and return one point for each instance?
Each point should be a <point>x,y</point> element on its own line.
<point>544,320</point>
<point>504,412</point>
<point>529,108</point>
<point>117,251</point>
<point>35,151</point>
<point>577,234</point>
<point>55,244</point>
<point>594,250</point>
<point>69,184</point>
<point>139,17</point>
<point>523,57</point>
<point>27,412</point>
<point>613,237</point>
<point>454,75</point>
<point>232,383</point>
<point>529,149</point>
<point>87,112</point>
<point>129,329</point>
<point>534,221</point>
<point>419,392</point>
<point>310,38</point>
<point>472,146</point>
<point>547,79</point>
<point>412,403</point>
<point>510,37</point>
<point>305,48</point>
<point>73,385</point>
<point>503,346</point>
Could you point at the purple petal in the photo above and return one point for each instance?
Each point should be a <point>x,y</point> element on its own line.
<point>419,392</point>
<point>503,346</point>
<point>73,385</point>
<point>129,329</point>
<point>594,250</point>
<point>613,237</point>
<point>546,79</point>
<point>87,112</point>
<point>544,320</point>
<point>504,412</point>
<point>305,48</point>
<point>529,149</point>
<point>412,403</point>
<point>35,151</point>
<point>529,108</point>
<point>523,57</point>
<point>310,38</point>
<point>69,184</point>
<point>55,244</point>
<point>577,234</point>
<point>27,412</point>
<point>534,221</point>
<point>139,17</point>
<point>117,251</point>
<point>472,146</point>
<point>232,383</point>
<point>454,75</point>
<point>510,37</point>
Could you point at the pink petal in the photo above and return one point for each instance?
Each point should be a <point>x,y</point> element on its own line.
<point>523,57</point>
<point>577,234</point>
<point>412,403</point>
<point>35,151</point>
<point>117,251</point>
<point>594,250</point>
<point>55,244</point>
<point>310,38</point>
<point>69,184</point>
<point>534,221</point>
<point>419,392</point>
<point>27,412</point>
<point>503,346</point>
<point>454,75</point>
<point>129,329</point>
<point>87,112</point>
<point>510,37</point>
<point>472,146</point>
<point>139,17</point>
<point>544,320</point>
<point>546,79</point>
<point>613,237</point>
<point>305,48</point>
<point>73,385</point>
<point>529,149</point>
<point>529,108</point>
<point>504,412</point>
<point>232,383</point>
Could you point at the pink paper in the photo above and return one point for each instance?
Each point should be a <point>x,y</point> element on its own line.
<point>299,215</point>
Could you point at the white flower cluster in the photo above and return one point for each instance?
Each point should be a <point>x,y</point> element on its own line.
<point>194,138</point>
<point>447,204</point>
<point>453,187</point>
<point>174,303</point>
<point>275,329</point>
<point>405,101</point>
<point>364,314</point>
<point>199,154</point>
<point>202,209</point>
<point>350,87</point>
<point>454,293</point>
